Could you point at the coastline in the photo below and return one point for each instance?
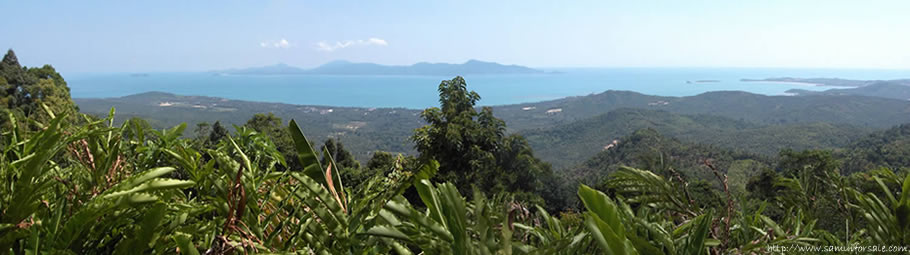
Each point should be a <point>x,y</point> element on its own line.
<point>808,84</point>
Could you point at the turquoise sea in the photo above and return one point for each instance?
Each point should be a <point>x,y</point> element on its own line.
<point>421,91</point>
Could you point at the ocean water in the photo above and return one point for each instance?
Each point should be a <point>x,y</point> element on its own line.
<point>418,92</point>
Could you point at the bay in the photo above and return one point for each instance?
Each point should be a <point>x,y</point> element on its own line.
<point>417,92</point>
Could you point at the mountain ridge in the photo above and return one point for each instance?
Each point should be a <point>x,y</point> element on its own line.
<point>369,129</point>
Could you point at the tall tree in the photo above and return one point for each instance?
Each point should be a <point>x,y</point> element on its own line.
<point>29,93</point>
<point>14,73</point>
<point>218,133</point>
<point>471,146</point>
<point>202,131</point>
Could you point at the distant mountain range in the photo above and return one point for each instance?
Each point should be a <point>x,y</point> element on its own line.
<point>341,67</point>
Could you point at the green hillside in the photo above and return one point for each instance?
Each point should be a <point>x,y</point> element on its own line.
<point>363,130</point>
<point>889,148</point>
<point>370,129</point>
<point>564,145</point>
<point>649,149</point>
<point>853,110</point>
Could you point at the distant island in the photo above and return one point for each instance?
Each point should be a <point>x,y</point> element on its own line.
<point>894,89</point>
<point>702,81</point>
<point>423,68</point>
<point>885,89</point>
<point>835,82</point>
<point>278,69</point>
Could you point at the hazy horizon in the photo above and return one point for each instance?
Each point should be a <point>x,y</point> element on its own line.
<point>543,68</point>
<point>86,37</point>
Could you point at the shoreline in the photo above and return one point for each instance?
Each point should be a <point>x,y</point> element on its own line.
<point>807,84</point>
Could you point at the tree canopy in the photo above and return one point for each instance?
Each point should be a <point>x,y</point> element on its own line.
<point>472,148</point>
<point>32,93</point>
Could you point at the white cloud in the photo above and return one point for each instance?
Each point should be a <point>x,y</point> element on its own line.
<point>280,44</point>
<point>325,46</point>
<point>377,41</point>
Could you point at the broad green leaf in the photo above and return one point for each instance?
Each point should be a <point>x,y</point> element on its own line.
<point>306,154</point>
<point>153,185</point>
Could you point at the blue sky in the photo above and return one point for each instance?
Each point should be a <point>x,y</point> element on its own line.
<point>148,36</point>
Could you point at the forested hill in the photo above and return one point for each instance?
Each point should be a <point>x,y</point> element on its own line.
<point>365,130</point>
<point>840,109</point>
<point>563,145</point>
<point>889,148</point>
<point>667,156</point>
<point>650,149</point>
<point>673,158</point>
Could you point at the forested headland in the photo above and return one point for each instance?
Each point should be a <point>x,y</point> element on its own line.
<point>76,183</point>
